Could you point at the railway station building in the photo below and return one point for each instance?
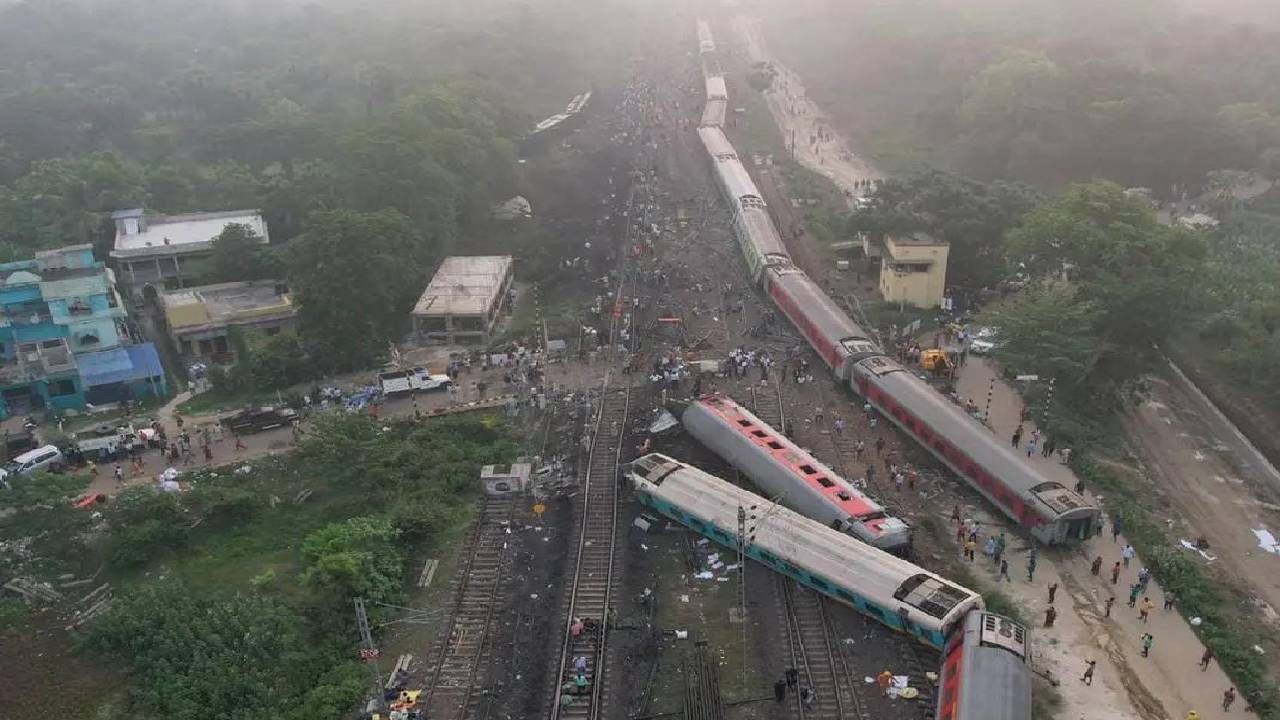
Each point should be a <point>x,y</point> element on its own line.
<point>464,300</point>
<point>913,268</point>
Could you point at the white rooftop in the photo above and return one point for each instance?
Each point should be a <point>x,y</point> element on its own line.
<point>464,285</point>
<point>185,231</point>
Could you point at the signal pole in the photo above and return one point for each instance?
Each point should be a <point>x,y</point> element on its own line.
<point>369,653</point>
<point>742,587</point>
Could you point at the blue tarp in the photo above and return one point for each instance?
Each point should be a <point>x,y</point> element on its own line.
<point>122,365</point>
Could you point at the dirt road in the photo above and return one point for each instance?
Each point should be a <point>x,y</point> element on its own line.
<point>1222,488</point>
<point>1166,684</point>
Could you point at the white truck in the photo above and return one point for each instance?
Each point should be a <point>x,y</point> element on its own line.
<point>95,442</point>
<point>415,380</point>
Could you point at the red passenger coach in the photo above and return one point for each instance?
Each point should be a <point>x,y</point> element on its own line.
<point>984,672</point>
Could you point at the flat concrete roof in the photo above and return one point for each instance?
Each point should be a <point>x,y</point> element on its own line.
<point>178,233</point>
<point>464,285</point>
<point>209,306</point>
<point>918,238</point>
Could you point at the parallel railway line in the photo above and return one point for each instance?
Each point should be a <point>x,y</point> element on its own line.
<point>593,577</point>
<point>464,649</point>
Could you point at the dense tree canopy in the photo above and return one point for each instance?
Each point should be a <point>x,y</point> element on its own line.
<point>355,277</point>
<point>1042,91</point>
<point>971,215</point>
<point>1137,272</point>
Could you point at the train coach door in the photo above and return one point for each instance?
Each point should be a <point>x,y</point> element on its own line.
<point>1080,529</point>
<point>908,627</point>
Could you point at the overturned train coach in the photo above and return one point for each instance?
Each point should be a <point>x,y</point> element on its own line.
<point>985,675</point>
<point>789,474</point>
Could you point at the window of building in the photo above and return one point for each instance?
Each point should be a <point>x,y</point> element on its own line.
<point>271,331</point>
<point>468,324</point>
<point>909,267</point>
<point>51,344</point>
<point>431,324</point>
<point>62,388</point>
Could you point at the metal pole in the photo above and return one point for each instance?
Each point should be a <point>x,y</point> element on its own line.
<point>369,653</point>
<point>742,587</point>
<point>1048,403</point>
<point>991,391</point>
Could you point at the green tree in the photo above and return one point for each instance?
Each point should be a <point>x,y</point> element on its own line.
<point>972,216</point>
<point>239,254</point>
<point>1137,271</point>
<point>1048,329</point>
<point>355,276</point>
<point>145,524</point>
<point>66,201</point>
<point>355,558</point>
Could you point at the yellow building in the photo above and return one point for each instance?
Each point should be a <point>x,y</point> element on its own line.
<point>913,268</point>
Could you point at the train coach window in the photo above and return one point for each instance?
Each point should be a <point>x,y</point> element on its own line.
<point>774,445</point>
<point>820,583</point>
<point>760,433</point>
<point>825,481</point>
<point>808,469</point>
<point>744,423</point>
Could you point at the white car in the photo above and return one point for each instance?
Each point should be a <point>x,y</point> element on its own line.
<point>983,340</point>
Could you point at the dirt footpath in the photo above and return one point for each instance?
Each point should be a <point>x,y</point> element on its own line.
<point>816,144</point>
<point>1219,493</point>
<point>1126,685</point>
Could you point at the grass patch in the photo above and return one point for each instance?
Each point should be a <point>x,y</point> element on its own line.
<point>1229,621</point>
<point>13,612</point>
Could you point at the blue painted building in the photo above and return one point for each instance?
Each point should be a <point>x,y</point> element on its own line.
<point>57,309</point>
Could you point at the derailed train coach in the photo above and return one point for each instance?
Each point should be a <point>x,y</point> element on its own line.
<point>1053,513</point>
<point>886,588</point>
<point>788,473</point>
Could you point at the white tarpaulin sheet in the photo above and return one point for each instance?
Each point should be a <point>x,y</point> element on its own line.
<point>1267,541</point>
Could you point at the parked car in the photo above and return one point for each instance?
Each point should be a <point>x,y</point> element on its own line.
<point>256,419</point>
<point>102,441</point>
<point>415,380</point>
<point>984,340</point>
<point>48,458</point>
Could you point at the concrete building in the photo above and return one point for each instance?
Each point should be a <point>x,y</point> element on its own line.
<point>913,268</point>
<point>199,318</point>
<point>154,252</point>
<point>59,312</point>
<point>464,300</point>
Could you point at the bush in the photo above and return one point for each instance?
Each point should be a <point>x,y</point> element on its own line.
<point>355,558</point>
<point>222,656</point>
<point>145,524</point>
<point>42,488</point>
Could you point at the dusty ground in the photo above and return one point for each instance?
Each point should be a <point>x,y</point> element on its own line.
<point>1219,488</point>
<point>1165,685</point>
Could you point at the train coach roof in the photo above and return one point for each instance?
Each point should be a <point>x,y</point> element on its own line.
<point>884,579</point>
<point>1051,498</point>
<point>713,113</point>
<point>716,87</point>
<point>764,234</point>
<point>831,320</point>
<point>737,180</point>
<point>805,467</point>
<point>717,145</point>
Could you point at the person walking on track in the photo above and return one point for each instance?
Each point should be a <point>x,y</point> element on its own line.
<point>1087,678</point>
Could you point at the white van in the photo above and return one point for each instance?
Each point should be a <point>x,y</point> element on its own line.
<point>48,458</point>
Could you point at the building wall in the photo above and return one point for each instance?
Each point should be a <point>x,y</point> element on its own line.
<point>921,285</point>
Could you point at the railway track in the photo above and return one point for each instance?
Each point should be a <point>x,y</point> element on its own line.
<point>593,577</point>
<point>463,654</point>
<point>815,654</point>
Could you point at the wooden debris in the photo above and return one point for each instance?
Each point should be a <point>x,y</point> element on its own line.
<point>428,573</point>
<point>302,496</point>
<point>401,668</point>
<point>97,593</point>
<point>32,590</point>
